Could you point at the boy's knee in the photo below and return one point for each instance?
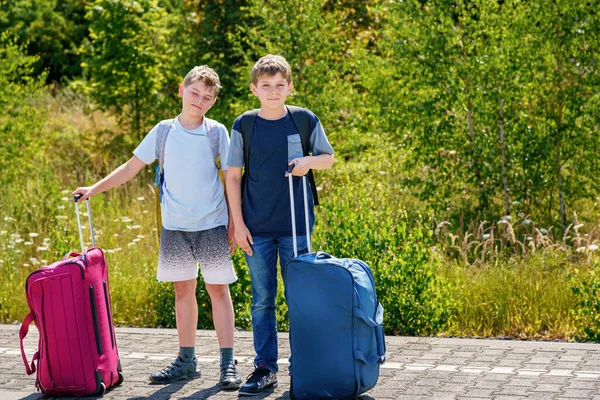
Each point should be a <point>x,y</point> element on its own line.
<point>218,292</point>
<point>184,289</point>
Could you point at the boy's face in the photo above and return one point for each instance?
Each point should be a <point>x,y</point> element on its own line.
<point>197,98</point>
<point>272,90</point>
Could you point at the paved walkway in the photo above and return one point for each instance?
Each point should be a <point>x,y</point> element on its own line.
<point>416,368</point>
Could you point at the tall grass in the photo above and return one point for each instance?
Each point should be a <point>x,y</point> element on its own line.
<point>506,277</point>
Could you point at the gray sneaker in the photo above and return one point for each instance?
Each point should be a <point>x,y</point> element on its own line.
<point>230,379</point>
<point>177,371</point>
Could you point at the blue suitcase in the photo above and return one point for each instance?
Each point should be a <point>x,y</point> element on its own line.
<point>336,335</point>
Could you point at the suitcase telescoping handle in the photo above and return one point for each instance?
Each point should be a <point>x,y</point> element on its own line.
<point>89,213</point>
<point>293,208</point>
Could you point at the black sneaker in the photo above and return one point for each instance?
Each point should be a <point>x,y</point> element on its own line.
<point>230,379</point>
<point>261,379</point>
<point>177,371</point>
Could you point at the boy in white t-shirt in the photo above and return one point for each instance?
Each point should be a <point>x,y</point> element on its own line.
<point>196,225</point>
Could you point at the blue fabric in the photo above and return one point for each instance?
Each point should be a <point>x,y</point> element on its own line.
<point>335,324</point>
<point>263,273</point>
<point>273,143</point>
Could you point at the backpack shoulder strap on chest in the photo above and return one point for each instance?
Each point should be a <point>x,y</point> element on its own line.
<point>164,127</point>
<point>247,126</point>
<point>301,121</point>
<point>214,137</point>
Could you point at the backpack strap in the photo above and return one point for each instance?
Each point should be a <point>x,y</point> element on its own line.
<point>214,137</point>
<point>164,127</point>
<point>247,124</point>
<point>301,123</point>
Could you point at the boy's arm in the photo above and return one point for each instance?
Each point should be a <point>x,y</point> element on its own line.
<point>230,225</point>
<point>304,164</point>
<point>119,176</point>
<point>233,186</point>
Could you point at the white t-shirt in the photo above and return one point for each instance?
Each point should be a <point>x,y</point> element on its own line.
<point>193,196</point>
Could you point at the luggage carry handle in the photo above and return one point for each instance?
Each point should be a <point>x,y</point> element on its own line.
<point>89,213</point>
<point>22,334</point>
<point>293,208</point>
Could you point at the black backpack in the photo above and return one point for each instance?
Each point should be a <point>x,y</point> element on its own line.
<point>301,123</point>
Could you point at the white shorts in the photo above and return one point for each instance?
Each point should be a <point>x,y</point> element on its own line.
<point>181,252</point>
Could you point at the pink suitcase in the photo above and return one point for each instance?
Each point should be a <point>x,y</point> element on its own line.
<point>69,302</point>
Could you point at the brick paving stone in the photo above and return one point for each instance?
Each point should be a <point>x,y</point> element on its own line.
<point>442,368</point>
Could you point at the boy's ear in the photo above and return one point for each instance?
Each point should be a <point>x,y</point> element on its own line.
<point>253,89</point>
<point>181,88</point>
<point>290,87</point>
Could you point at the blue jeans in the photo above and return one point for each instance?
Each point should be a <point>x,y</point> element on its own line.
<point>263,274</point>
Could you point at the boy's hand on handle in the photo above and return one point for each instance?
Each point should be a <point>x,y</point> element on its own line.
<point>84,192</point>
<point>298,166</point>
<point>243,238</point>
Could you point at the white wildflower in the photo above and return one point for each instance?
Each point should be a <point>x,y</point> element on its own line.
<point>42,248</point>
<point>526,221</point>
<point>486,236</point>
<point>580,249</point>
<point>33,234</point>
<point>28,243</point>
<point>141,198</point>
<point>544,231</point>
<point>592,247</point>
<point>145,212</point>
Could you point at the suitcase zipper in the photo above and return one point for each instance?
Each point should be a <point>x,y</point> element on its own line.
<point>43,350</point>
<point>108,313</point>
<point>95,320</point>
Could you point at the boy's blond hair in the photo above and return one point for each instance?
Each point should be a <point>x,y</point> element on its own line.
<point>206,75</point>
<point>271,65</point>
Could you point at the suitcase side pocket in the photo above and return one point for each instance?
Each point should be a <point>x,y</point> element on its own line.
<point>95,320</point>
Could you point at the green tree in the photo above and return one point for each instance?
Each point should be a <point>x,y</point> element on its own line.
<point>127,61</point>
<point>20,117</point>
<point>52,31</point>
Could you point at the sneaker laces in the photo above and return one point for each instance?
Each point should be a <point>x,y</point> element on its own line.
<point>257,375</point>
<point>228,370</point>
<point>175,368</point>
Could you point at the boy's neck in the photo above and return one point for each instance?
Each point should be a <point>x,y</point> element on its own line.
<point>272,113</point>
<point>190,122</point>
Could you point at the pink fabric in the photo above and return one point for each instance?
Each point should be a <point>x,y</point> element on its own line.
<point>77,342</point>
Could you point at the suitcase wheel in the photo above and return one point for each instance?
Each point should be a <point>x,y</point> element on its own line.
<point>120,379</point>
<point>102,389</point>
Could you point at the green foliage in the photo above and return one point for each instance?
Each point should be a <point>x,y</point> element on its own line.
<point>361,219</point>
<point>127,61</point>
<point>52,31</point>
<point>585,284</point>
<point>21,117</point>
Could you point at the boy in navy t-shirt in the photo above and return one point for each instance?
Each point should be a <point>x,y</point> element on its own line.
<point>260,207</point>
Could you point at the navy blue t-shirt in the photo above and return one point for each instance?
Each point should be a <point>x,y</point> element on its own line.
<point>265,195</point>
